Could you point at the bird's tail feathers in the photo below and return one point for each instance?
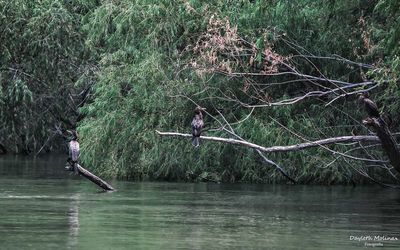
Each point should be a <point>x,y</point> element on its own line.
<point>195,141</point>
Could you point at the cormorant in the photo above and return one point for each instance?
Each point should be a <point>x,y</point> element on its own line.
<point>74,151</point>
<point>197,126</point>
<point>369,105</point>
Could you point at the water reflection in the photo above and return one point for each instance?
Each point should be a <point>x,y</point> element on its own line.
<point>73,221</point>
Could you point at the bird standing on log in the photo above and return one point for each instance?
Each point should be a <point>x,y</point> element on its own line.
<point>197,126</point>
<point>370,106</point>
<point>74,151</point>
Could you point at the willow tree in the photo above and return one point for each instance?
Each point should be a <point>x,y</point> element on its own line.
<point>279,73</point>
<point>273,73</point>
<point>42,67</point>
<point>220,50</point>
<point>273,70</point>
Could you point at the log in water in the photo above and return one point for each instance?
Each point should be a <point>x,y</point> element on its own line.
<point>93,178</point>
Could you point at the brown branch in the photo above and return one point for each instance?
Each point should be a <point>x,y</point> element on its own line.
<point>286,73</point>
<point>337,58</point>
<point>310,94</point>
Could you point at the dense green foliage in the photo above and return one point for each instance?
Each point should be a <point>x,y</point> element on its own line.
<point>42,55</point>
<point>140,52</point>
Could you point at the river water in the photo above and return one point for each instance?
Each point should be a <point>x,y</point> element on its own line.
<point>44,207</point>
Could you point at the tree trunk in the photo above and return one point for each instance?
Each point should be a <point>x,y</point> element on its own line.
<point>388,142</point>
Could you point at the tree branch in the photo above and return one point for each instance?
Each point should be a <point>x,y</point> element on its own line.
<point>296,147</point>
<point>387,140</point>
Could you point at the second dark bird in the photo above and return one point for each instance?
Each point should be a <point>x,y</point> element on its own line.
<point>197,126</point>
<point>370,106</point>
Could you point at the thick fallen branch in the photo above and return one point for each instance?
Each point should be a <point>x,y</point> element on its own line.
<point>300,146</point>
<point>93,178</point>
<point>387,140</point>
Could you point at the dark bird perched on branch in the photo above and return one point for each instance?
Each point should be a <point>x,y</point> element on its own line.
<point>369,105</point>
<point>197,126</point>
<point>74,151</point>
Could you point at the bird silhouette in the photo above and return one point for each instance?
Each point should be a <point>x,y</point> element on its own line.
<point>370,106</point>
<point>74,151</point>
<point>197,126</point>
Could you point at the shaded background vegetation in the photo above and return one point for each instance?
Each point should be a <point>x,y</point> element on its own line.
<point>134,57</point>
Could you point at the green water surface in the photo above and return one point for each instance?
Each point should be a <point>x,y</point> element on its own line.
<point>44,207</point>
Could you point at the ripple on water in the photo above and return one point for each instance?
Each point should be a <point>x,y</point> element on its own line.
<point>45,208</point>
